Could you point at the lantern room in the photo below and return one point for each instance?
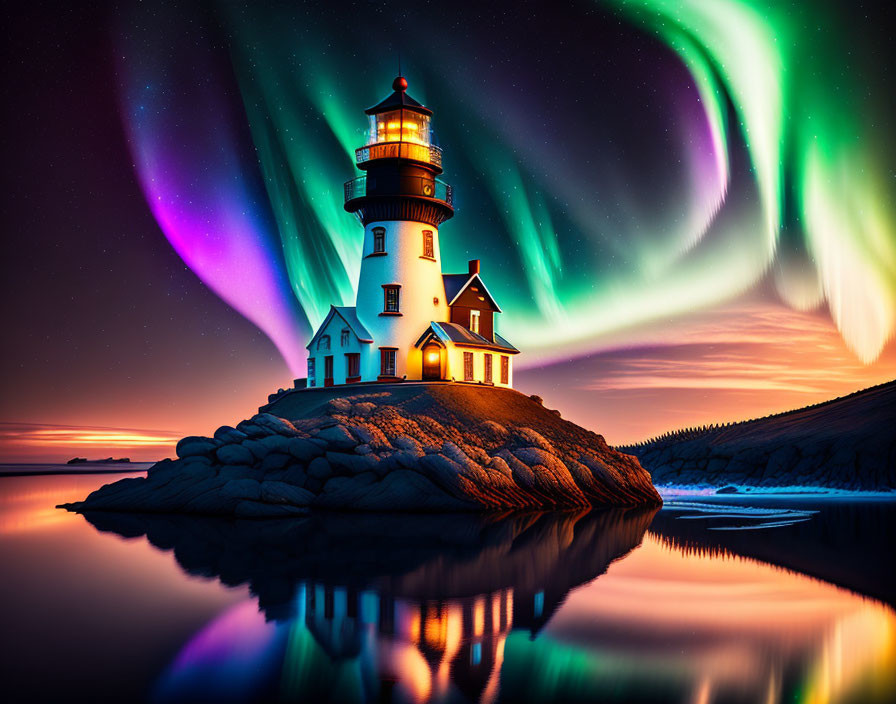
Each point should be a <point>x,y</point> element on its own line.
<point>400,128</point>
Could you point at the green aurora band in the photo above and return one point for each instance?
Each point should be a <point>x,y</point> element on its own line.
<point>769,80</point>
<point>812,130</point>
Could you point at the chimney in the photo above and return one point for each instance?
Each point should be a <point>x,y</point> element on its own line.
<point>474,266</point>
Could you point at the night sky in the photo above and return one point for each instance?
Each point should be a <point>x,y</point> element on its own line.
<point>685,209</point>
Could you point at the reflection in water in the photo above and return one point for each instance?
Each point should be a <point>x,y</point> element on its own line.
<point>847,542</point>
<point>482,609</point>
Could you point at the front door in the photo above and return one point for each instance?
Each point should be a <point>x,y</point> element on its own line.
<point>328,370</point>
<point>432,363</point>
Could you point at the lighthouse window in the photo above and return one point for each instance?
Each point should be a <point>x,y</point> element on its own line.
<point>474,321</point>
<point>343,340</point>
<point>392,298</point>
<point>379,239</point>
<point>428,250</point>
<point>505,369</point>
<point>468,366</point>
<point>324,342</point>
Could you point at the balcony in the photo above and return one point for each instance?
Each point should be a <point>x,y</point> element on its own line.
<point>407,186</point>
<point>424,153</point>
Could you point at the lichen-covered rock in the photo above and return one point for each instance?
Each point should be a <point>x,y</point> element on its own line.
<point>414,447</point>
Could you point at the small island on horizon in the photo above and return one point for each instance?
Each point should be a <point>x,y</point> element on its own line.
<point>107,460</point>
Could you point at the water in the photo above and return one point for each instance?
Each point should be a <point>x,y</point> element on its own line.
<point>711,599</point>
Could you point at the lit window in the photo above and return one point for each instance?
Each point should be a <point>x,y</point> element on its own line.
<point>379,239</point>
<point>505,369</point>
<point>428,249</point>
<point>387,362</point>
<point>474,321</point>
<point>476,654</point>
<point>311,372</point>
<point>468,366</point>
<point>487,376</point>
<point>400,126</point>
<point>344,337</point>
<point>391,303</point>
<point>324,342</point>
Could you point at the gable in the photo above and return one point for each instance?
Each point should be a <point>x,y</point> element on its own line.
<point>469,291</point>
<point>338,319</point>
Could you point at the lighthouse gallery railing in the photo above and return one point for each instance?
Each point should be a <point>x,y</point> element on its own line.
<point>418,186</point>
<point>426,153</point>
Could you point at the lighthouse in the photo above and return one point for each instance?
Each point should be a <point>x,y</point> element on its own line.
<point>411,321</point>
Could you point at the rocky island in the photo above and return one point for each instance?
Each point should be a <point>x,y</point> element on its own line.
<point>387,447</point>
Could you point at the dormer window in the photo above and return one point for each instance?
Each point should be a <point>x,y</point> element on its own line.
<point>324,342</point>
<point>428,248</point>
<point>379,239</point>
<point>474,321</point>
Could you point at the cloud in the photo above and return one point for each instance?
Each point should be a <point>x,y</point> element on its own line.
<point>52,436</point>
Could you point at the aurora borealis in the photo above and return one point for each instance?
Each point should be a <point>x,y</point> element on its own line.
<point>819,218</point>
<point>627,172</point>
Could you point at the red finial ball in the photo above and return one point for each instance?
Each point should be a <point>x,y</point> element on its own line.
<point>400,83</point>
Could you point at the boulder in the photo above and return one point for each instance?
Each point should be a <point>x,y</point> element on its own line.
<point>304,449</point>
<point>242,489</point>
<point>275,461</point>
<point>283,493</point>
<point>345,463</point>
<point>228,435</point>
<point>252,429</point>
<point>277,426</point>
<point>337,437</point>
<point>234,454</point>
<point>192,446</point>
<point>319,468</point>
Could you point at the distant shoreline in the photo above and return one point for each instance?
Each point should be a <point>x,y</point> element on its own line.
<point>24,469</point>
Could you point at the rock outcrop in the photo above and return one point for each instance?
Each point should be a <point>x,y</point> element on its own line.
<point>402,447</point>
<point>845,444</point>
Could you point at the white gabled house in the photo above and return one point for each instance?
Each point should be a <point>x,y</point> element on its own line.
<point>410,321</point>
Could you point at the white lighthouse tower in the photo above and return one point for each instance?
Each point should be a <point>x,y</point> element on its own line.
<point>411,321</point>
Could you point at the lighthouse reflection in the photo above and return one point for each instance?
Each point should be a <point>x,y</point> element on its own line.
<point>377,608</point>
<point>535,607</point>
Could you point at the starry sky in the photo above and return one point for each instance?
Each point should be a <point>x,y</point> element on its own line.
<point>685,209</point>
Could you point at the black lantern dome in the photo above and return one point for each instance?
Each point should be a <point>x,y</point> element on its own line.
<point>401,164</point>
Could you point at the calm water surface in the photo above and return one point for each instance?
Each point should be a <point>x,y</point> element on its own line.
<point>711,599</point>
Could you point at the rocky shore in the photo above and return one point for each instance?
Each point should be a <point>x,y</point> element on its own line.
<point>401,447</point>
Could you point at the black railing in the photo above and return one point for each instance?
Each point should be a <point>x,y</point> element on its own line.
<point>412,185</point>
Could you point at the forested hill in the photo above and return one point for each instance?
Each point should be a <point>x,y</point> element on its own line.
<point>845,443</point>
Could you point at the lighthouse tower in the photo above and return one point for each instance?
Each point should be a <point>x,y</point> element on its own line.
<point>401,203</point>
<point>411,321</point>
